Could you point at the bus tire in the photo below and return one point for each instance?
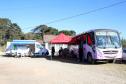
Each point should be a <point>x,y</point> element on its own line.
<point>90,59</point>
<point>84,59</point>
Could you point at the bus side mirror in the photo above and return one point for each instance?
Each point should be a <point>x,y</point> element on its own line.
<point>93,48</point>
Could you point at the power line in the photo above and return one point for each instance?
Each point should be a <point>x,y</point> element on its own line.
<point>91,11</point>
<point>77,15</point>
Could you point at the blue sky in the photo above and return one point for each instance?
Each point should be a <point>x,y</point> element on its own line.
<point>30,13</point>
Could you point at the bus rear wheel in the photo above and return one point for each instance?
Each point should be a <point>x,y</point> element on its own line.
<point>90,59</point>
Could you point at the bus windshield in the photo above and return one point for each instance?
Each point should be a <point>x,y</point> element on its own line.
<point>107,39</point>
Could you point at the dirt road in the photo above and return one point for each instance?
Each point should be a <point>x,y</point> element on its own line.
<point>43,71</point>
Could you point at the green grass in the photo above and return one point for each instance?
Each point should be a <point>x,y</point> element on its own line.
<point>2,48</point>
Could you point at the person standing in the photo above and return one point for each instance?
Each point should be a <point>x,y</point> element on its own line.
<point>52,52</point>
<point>60,51</point>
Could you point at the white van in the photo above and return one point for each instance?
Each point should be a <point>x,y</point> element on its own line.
<point>25,48</point>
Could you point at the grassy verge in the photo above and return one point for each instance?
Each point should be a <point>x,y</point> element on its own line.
<point>2,50</point>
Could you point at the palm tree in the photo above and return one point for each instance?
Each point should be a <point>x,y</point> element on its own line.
<point>41,29</point>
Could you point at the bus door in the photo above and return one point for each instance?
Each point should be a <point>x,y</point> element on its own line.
<point>81,50</point>
<point>84,47</point>
<point>90,44</point>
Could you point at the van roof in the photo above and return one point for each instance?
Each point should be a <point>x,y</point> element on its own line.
<point>23,42</point>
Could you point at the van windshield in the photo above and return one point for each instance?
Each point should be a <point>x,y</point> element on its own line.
<point>107,40</point>
<point>39,46</point>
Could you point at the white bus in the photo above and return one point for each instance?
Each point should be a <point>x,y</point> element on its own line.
<point>99,44</point>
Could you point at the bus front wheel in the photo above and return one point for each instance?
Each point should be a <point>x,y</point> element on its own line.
<point>90,59</point>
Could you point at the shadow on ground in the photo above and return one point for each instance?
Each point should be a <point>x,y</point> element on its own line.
<point>69,60</point>
<point>75,61</point>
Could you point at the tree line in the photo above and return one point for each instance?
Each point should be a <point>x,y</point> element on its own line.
<point>10,31</point>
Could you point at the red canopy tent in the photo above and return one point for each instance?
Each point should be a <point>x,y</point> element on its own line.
<point>61,39</point>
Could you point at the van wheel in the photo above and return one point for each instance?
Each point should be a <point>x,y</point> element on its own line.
<point>43,54</point>
<point>90,59</point>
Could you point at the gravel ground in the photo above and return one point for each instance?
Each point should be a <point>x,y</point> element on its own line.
<point>42,71</point>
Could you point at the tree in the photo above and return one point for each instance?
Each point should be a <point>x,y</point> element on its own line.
<point>9,30</point>
<point>13,31</point>
<point>5,21</point>
<point>30,36</point>
<point>71,32</point>
<point>123,43</point>
<point>52,31</point>
<point>41,29</point>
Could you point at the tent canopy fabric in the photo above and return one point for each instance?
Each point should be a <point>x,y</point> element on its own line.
<point>61,39</point>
